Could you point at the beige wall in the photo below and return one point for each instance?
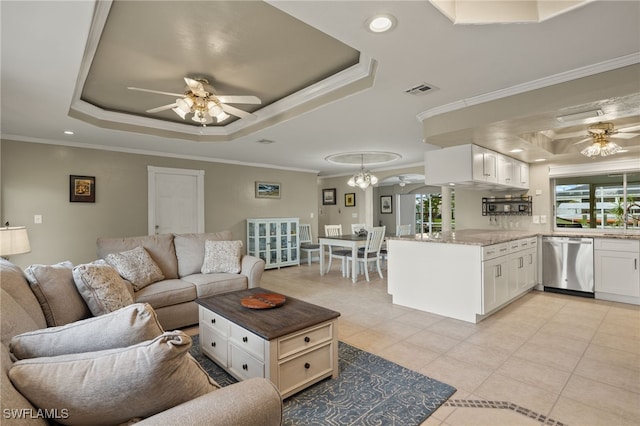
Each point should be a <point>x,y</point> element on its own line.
<point>35,180</point>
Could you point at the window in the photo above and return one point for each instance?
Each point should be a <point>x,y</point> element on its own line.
<point>610,201</point>
<point>429,214</point>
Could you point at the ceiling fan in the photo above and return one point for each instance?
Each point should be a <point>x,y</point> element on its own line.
<point>200,100</point>
<point>600,135</point>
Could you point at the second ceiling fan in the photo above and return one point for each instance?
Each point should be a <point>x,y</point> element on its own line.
<point>201,101</point>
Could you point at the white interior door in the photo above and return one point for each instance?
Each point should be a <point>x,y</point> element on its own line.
<point>176,200</point>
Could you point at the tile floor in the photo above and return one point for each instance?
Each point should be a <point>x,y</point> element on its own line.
<point>545,359</point>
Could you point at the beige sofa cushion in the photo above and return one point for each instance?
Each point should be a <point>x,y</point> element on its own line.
<point>20,309</point>
<point>110,387</point>
<point>211,284</point>
<point>125,327</point>
<point>56,291</point>
<point>136,266</point>
<point>222,256</point>
<point>190,250</point>
<point>167,293</point>
<point>160,247</point>
<point>101,288</point>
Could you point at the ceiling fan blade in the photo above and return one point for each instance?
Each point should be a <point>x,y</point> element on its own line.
<point>625,135</point>
<point>583,140</point>
<point>196,87</point>
<point>162,108</point>
<point>230,99</point>
<point>156,91</point>
<point>629,129</point>
<point>235,111</point>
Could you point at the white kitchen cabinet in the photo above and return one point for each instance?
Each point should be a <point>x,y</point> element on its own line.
<point>274,240</point>
<point>473,166</point>
<point>523,265</point>
<point>485,164</point>
<point>495,284</point>
<point>617,269</point>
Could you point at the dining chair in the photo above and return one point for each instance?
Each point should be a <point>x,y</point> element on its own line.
<point>306,242</point>
<point>338,253</point>
<point>371,252</point>
<point>355,227</point>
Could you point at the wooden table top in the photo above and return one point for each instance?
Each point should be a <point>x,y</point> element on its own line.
<point>292,316</point>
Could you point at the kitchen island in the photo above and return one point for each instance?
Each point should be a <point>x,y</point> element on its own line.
<point>466,274</point>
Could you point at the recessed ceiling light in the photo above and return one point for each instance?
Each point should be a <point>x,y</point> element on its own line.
<point>381,23</point>
<point>68,132</point>
<point>537,160</point>
<point>517,150</point>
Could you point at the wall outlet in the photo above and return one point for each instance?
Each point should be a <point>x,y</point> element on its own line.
<point>354,215</point>
<point>538,191</point>
<point>311,215</point>
<point>37,218</point>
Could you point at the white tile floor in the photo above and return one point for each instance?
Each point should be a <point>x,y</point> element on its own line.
<point>574,360</point>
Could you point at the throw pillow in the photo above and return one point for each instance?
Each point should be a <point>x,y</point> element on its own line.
<point>54,288</point>
<point>222,256</point>
<point>112,386</point>
<point>190,250</point>
<point>125,327</point>
<point>136,266</point>
<point>101,288</point>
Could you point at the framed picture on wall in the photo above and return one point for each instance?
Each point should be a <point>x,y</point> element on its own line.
<point>386,204</point>
<point>350,199</point>
<point>329,196</point>
<point>267,190</point>
<point>82,189</point>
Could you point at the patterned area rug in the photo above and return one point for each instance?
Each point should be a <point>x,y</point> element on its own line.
<point>369,391</point>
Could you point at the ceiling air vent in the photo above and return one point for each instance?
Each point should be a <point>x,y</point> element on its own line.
<point>420,89</point>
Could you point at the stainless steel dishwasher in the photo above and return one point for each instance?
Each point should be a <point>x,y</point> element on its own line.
<point>567,265</point>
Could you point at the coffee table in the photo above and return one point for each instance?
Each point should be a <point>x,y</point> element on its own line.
<point>294,345</point>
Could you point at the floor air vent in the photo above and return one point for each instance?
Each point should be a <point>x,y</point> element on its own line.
<point>420,89</point>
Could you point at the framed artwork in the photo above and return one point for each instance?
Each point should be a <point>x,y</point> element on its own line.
<point>386,204</point>
<point>268,190</point>
<point>350,199</point>
<point>329,196</point>
<point>82,189</point>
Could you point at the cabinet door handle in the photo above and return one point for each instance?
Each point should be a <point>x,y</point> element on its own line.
<point>307,339</point>
<point>245,339</point>
<point>245,367</point>
<point>213,320</point>
<point>307,365</point>
<point>635,261</point>
<point>213,344</point>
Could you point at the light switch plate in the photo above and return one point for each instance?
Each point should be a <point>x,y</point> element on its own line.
<point>543,218</point>
<point>536,218</point>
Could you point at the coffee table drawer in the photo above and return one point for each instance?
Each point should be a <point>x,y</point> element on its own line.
<point>243,365</point>
<point>215,321</point>
<point>305,368</point>
<point>248,341</point>
<point>214,345</point>
<point>309,338</point>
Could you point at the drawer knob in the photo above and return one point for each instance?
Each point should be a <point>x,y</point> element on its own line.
<point>307,365</point>
<point>307,339</point>
<point>245,367</point>
<point>213,344</point>
<point>213,320</point>
<point>245,339</point>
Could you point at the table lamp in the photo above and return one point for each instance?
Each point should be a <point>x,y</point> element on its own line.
<point>13,240</point>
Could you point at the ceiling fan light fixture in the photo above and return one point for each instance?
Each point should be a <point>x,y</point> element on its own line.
<point>601,146</point>
<point>179,111</point>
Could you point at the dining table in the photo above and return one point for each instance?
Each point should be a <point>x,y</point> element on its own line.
<point>352,241</point>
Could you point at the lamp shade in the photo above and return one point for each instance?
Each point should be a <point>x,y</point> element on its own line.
<point>14,240</point>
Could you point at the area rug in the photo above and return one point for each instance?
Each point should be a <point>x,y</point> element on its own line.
<point>369,391</point>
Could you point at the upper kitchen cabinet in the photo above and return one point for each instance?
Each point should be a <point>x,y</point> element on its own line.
<point>475,167</point>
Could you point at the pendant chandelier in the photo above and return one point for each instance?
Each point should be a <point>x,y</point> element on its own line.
<point>363,178</point>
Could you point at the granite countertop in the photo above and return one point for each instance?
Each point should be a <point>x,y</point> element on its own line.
<point>487,237</point>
